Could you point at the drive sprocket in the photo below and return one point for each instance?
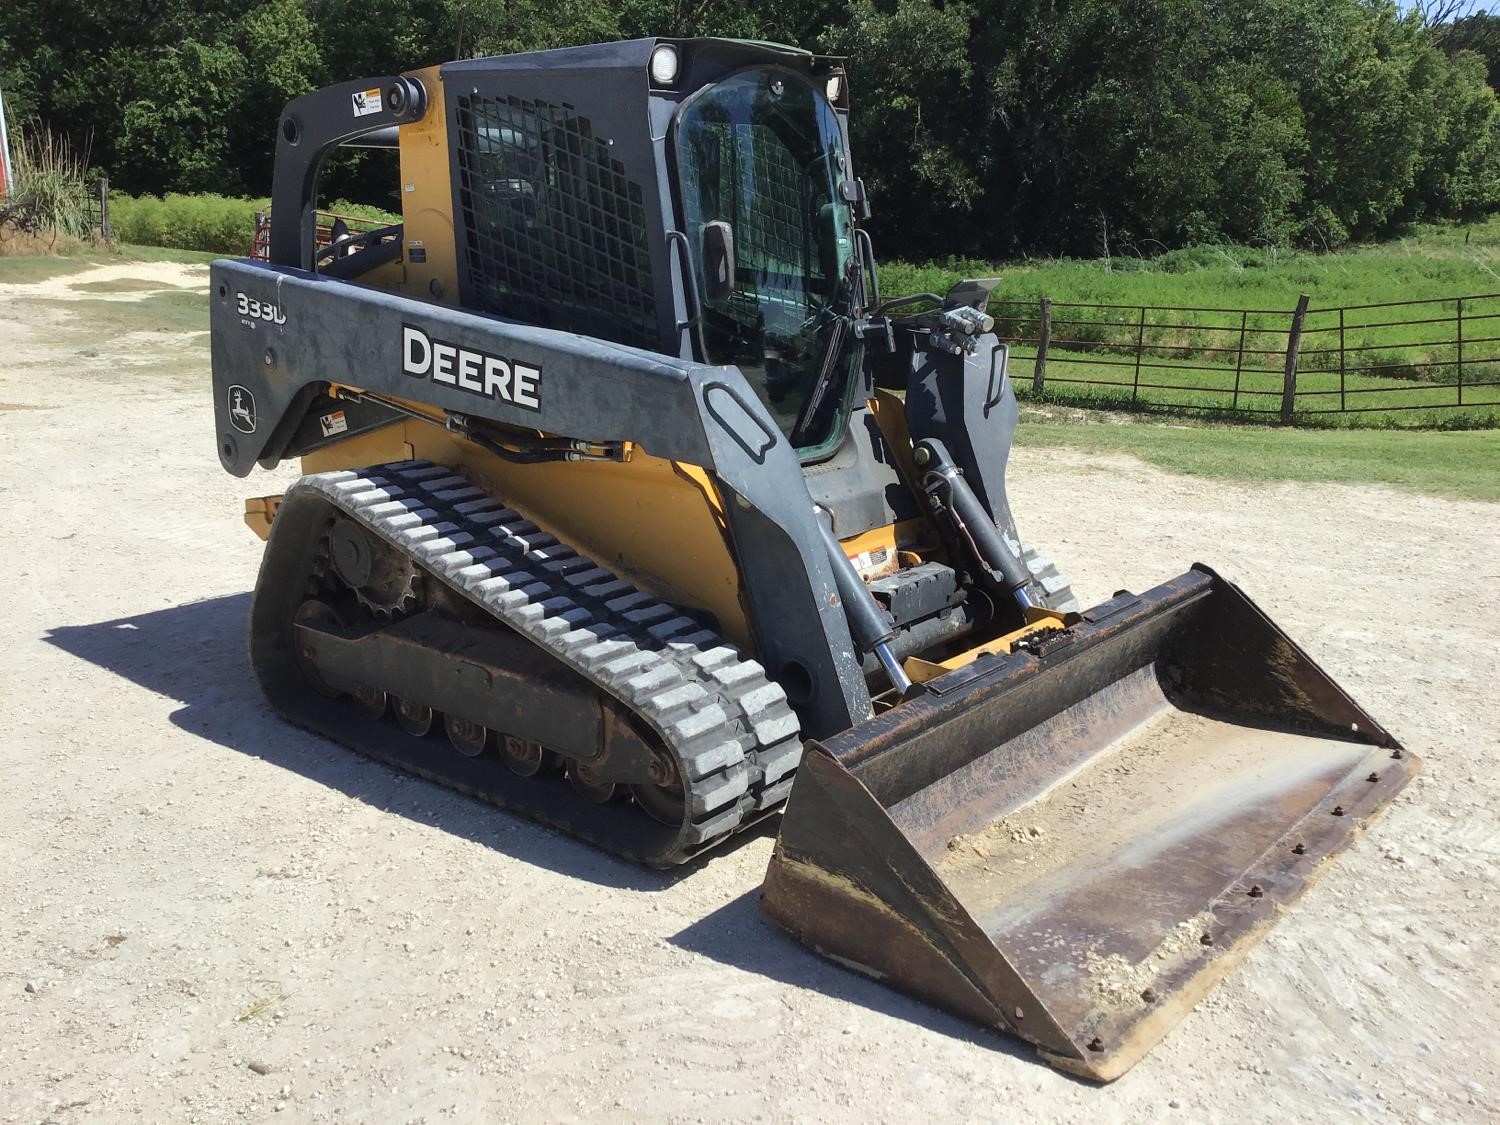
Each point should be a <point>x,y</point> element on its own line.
<point>383,579</point>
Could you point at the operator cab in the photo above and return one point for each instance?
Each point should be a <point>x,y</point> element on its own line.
<point>759,161</point>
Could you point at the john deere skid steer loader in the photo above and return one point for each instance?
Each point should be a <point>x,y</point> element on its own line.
<point>621,473</point>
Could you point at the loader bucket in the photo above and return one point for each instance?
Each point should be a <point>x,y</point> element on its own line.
<point>1075,844</point>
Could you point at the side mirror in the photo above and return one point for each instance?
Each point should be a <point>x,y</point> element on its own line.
<point>718,260</point>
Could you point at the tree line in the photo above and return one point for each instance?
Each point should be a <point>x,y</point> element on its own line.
<point>1013,126</point>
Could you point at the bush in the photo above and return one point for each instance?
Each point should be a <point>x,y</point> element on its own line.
<point>216,224</point>
<point>362,211</point>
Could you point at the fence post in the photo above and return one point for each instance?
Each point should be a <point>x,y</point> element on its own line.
<point>1461,351</point>
<point>104,208</point>
<point>1140,343</point>
<point>1342,404</point>
<point>1293,347</point>
<point>1043,338</point>
<point>1239,360</point>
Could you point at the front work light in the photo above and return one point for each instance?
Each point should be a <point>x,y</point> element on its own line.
<point>664,65</point>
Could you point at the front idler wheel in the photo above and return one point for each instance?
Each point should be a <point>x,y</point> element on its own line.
<point>468,738</point>
<point>414,718</point>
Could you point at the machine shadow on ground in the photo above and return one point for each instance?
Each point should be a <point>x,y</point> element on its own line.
<point>740,935</point>
<point>198,654</point>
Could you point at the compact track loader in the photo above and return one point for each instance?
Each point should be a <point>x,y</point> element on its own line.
<point>621,474</point>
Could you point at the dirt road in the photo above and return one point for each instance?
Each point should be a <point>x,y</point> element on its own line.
<point>211,916</point>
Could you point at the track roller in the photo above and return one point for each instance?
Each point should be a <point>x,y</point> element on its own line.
<point>525,758</point>
<point>414,718</point>
<point>372,701</point>
<point>468,738</point>
<point>590,787</point>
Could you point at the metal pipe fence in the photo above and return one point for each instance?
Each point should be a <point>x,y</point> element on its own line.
<point>1272,364</point>
<point>99,209</point>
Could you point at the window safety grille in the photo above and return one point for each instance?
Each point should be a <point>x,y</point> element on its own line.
<point>777,229</point>
<point>765,196</point>
<point>556,232</point>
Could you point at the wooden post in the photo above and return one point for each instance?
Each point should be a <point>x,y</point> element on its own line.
<point>104,208</point>
<point>1293,348</point>
<point>1461,351</point>
<point>1140,343</point>
<point>1043,338</point>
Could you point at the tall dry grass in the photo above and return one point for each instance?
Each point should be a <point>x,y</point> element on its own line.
<point>51,200</point>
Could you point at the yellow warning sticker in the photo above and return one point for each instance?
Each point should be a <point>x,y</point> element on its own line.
<point>366,102</point>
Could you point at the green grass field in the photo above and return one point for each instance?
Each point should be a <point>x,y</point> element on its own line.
<point>165,310</point>
<point>1200,384</point>
<point>22,269</point>
<point>30,269</point>
<point>128,252</point>
<point>1462,465</point>
<point>1430,260</point>
<point>1205,303</point>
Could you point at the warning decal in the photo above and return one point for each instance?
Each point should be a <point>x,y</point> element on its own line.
<point>366,102</point>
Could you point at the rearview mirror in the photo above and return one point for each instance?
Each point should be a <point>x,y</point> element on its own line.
<point>718,260</point>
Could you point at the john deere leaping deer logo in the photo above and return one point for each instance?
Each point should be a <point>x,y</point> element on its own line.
<point>242,409</point>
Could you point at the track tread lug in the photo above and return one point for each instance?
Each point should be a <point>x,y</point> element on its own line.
<point>666,630</point>
<point>607,589</point>
<point>587,637</point>
<point>654,679</point>
<point>629,601</point>
<point>700,722</point>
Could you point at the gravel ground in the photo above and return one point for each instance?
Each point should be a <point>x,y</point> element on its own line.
<point>211,916</point>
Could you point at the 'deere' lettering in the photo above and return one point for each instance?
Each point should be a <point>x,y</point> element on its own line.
<point>479,373</point>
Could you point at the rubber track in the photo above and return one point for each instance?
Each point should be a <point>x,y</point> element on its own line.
<point>736,739</point>
<point>1056,589</point>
